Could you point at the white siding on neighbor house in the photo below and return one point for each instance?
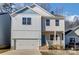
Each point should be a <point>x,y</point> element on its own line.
<point>26,31</point>
<point>77,32</point>
<point>53,27</point>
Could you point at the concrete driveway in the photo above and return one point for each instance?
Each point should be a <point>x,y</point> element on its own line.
<point>22,52</point>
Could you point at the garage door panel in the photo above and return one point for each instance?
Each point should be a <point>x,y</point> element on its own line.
<point>27,44</point>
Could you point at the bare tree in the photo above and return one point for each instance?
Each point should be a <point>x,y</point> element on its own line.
<point>7,7</point>
<point>72,24</point>
<point>11,7</point>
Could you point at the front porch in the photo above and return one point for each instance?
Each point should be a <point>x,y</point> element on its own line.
<point>53,39</point>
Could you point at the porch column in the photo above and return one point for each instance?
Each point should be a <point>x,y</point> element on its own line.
<point>55,37</point>
<point>63,40</point>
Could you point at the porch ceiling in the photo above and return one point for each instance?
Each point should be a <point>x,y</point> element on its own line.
<point>49,32</point>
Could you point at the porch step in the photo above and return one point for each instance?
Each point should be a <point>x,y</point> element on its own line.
<point>53,47</point>
<point>44,47</point>
<point>56,47</point>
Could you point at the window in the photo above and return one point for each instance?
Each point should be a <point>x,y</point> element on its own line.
<point>72,40</point>
<point>47,22</point>
<point>51,37</point>
<point>57,22</point>
<point>26,21</point>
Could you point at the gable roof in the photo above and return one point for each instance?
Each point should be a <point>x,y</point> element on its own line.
<point>59,16</point>
<point>36,8</point>
<point>71,29</point>
<point>67,32</point>
<point>41,10</point>
<point>18,11</point>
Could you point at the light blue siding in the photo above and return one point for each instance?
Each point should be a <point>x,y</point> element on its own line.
<point>43,41</point>
<point>27,11</point>
<point>71,35</point>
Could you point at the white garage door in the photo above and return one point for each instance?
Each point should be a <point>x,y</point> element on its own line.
<point>27,44</point>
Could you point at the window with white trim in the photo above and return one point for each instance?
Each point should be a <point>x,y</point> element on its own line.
<point>26,21</point>
<point>57,22</point>
<point>47,22</point>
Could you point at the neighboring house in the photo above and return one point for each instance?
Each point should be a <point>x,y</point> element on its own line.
<point>72,38</point>
<point>33,26</point>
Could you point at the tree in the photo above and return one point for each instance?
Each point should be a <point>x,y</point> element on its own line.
<point>7,7</point>
<point>72,24</point>
<point>52,12</point>
<point>76,21</point>
<point>11,7</point>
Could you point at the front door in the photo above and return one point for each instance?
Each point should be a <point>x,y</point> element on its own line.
<point>58,40</point>
<point>51,38</point>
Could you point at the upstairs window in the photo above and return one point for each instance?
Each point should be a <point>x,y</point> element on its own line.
<point>47,22</point>
<point>57,22</point>
<point>26,21</point>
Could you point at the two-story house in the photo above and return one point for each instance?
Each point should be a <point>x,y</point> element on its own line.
<point>72,38</point>
<point>33,26</point>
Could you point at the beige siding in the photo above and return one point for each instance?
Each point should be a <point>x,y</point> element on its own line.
<point>52,26</point>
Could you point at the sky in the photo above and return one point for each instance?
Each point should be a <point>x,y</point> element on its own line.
<point>67,8</point>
